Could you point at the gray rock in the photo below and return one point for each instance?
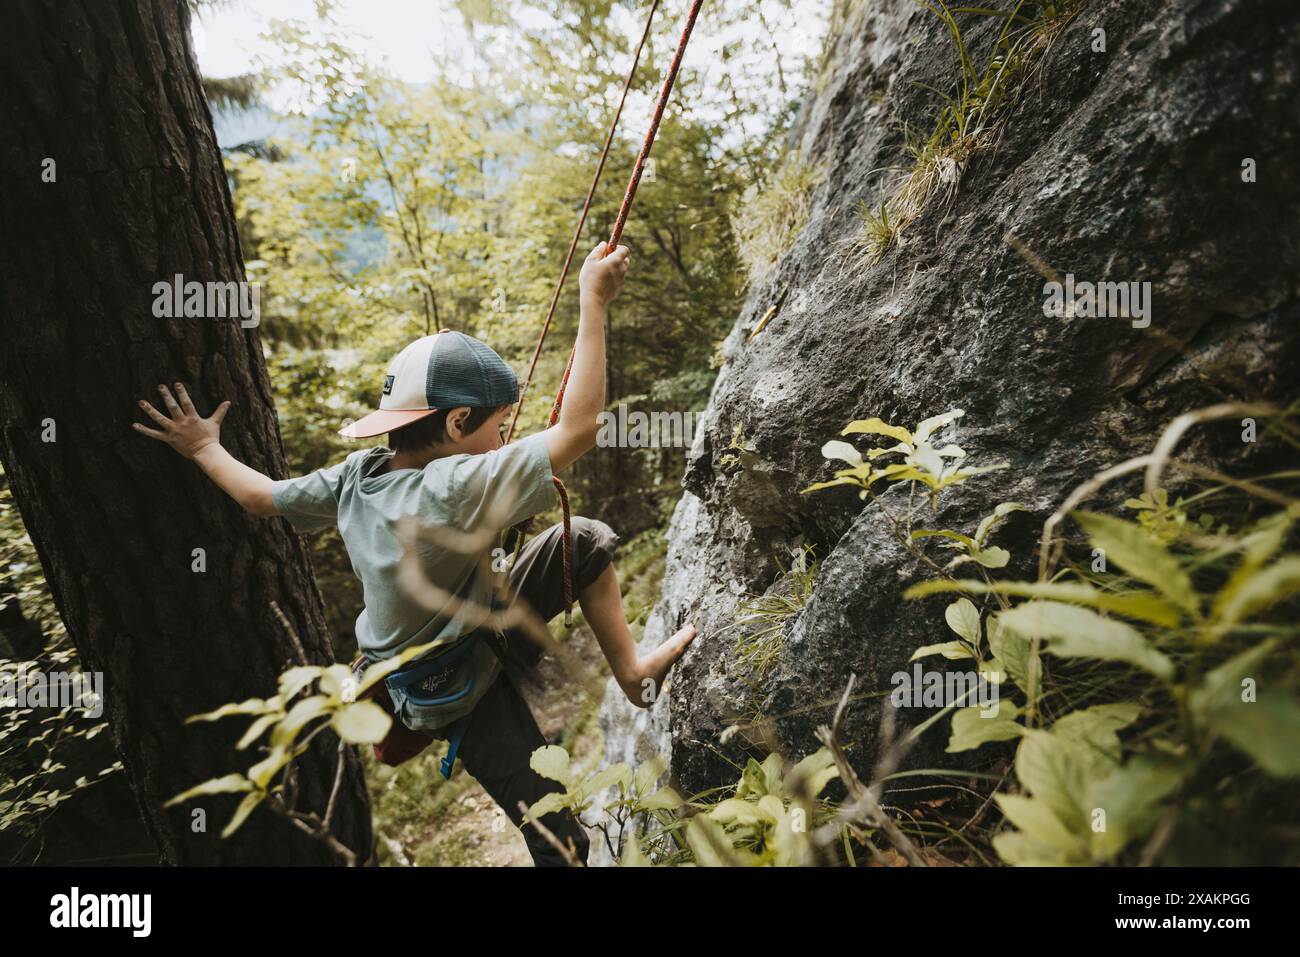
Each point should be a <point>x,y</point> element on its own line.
<point>1119,166</point>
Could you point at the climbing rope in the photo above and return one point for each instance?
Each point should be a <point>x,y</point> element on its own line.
<point>665,91</point>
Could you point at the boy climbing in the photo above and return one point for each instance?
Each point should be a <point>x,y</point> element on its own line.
<point>444,401</point>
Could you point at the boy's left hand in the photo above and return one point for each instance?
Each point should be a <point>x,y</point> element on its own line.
<point>183,428</point>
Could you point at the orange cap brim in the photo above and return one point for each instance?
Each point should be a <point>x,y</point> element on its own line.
<point>384,420</point>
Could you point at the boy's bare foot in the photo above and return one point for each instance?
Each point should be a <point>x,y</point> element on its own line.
<point>652,668</point>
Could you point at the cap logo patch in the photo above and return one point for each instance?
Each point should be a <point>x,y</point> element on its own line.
<point>388,384</point>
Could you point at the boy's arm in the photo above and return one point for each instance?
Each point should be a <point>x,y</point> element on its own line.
<point>199,440</point>
<point>575,432</point>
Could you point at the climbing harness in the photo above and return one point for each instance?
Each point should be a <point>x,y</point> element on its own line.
<point>445,678</point>
<point>665,91</point>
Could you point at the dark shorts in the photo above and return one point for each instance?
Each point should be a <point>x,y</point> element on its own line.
<point>502,733</point>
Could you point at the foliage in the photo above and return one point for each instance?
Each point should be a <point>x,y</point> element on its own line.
<point>767,818</point>
<point>42,765</point>
<point>310,700</point>
<point>973,107</point>
<point>772,214</point>
<point>764,617</point>
<point>1142,687</point>
<point>935,468</point>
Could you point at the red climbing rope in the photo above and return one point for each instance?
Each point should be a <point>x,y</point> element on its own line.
<point>665,91</point>
<point>582,219</point>
<point>669,79</point>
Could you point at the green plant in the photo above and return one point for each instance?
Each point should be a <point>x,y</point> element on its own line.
<point>771,215</point>
<point>1161,676</point>
<point>768,818</point>
<point>972,109</point>
<point>738,451</point>
<point>936,468</point>
<point>310,700</point>
<point>764,617</point>
<point>1143,687</point>
<point>877,231</point>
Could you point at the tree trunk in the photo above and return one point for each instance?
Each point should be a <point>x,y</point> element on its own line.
<point>106,97</point>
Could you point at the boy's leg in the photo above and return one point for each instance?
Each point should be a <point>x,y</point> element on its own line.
<point>538,578</point>
<point>538,575</point>
<point>501,738</point>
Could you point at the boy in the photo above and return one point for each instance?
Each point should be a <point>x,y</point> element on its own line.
<point>445,400</point>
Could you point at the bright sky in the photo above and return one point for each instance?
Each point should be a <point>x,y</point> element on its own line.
<point>406,35</point>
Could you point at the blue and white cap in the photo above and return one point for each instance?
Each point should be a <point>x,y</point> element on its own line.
<point>444,371</point>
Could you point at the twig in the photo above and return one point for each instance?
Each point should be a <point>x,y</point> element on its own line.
<point>864,803</point>
<point>570,858</point>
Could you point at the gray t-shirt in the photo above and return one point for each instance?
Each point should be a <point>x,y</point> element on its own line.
<point>457,491</point>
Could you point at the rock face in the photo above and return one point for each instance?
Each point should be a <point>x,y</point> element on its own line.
<point>1124,165</point>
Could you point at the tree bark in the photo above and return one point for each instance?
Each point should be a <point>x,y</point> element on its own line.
<point>110,92</point>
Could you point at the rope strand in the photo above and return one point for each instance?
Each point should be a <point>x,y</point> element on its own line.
<point>646,145</point>
<point>582,220</point>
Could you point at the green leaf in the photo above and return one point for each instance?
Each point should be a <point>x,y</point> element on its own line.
<point>604,778</point>
<point>228,784</point>
<point>1142,556</point>
<point>1020,850</point>
<point>971,729</point>
<point>740,811</point>
<point>1142,605</point>
<point>256,729</point>
<point>664,799</point>
<point>989,521</point>
<point>632,854</point>
<point>835,449</point>
<point>1094,729</point>
<point>1074,632</point>
<point>965,540</point>
<point>931,425</point>
<point>832,483</point>
<point>335,679</point>
<point>753,780</point>
<point>710,845</point>
<point>1221,687</point>
<point>295,679</point>
<point>816,771</point>
<point>552,761</point>
<point>549,804</point>
<point>1131,797</point>
<point>876,426</point>
<point>1267,729</point>
<point>251,706</point>
<point>1013,651</point>
<point>648,773</point>
<point>245,808</point>
<point>1056,774</point>
<point>991,557</point>
<point>300,715</point>
<point>964,618</point>
<point>952,650</point>
<point>1255,593</point>
<point>362,722</point>
<point>263,771</point>
<point>1037,820</point>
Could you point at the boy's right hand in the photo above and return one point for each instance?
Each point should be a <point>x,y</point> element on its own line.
<point>183,428</point>
<point>602,276</point>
